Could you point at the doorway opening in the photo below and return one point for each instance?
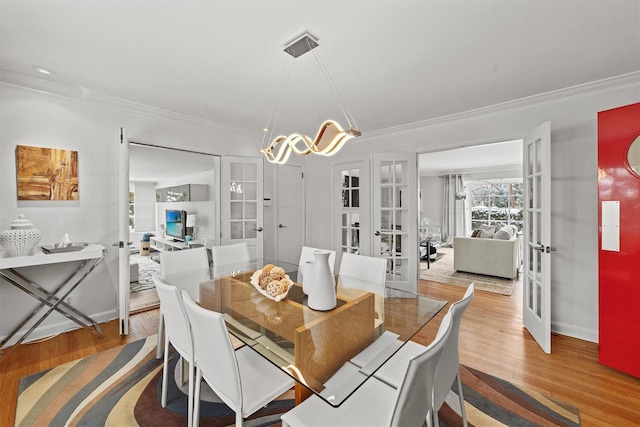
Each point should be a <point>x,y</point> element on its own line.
<point>160,180</point>
<point>463,191</point>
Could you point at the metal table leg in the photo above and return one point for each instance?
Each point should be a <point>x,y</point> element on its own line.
<point>50,299</point>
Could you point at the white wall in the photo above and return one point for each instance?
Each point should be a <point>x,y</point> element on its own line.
<point>573,117</point>
<point>34,118</point>
<point>31,117</point>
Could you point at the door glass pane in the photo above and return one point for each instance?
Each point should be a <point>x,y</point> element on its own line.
<point>250,229</point>
<point>250,172</point>
<point>236,190</point>
<point>236,230</point>
<point>398,175</point>
<point>236,171</point>
<point>386,197</point>
<point>355,198</point>
<point>236,210</point>
<point>385,220</point>
<point>250,210</point>
<point>250,191</point>
<point>349,218</point>
<point>385,172</point>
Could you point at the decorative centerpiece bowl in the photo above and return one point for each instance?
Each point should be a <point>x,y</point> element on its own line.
<point>20,238</point>
<point>274,296</point>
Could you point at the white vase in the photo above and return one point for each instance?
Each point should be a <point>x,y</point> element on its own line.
<point>322,295</point>
<point>306,276</point>
<point>20,238</point>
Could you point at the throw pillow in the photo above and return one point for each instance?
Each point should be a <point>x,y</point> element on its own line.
<point>476,233</point>
<point>487,233</point>
<point>505,233</point>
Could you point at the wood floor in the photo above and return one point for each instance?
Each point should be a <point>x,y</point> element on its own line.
<point>491,339</point>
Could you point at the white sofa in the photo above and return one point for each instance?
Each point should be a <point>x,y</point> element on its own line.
<point>493,257</point>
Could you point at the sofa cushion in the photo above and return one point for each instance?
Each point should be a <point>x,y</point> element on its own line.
<point>487,233</point>
<point>505,233</point>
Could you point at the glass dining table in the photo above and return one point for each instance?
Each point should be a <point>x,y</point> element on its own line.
<point>328,353</point>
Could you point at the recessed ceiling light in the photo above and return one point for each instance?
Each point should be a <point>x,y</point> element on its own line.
<point>43,70</point>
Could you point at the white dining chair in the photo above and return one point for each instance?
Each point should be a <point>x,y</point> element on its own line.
<point>306,255</point>
<point>175,262</point>
<point>177,332</point>
<point>243,379</point>
<point>365,273</point>
<point>376,403</point>
<point>234,256</point>
<point>365,268</point>
<point>448,369</point>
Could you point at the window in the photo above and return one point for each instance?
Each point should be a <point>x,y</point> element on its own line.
<point>132,210</point>
<point>496,204</point>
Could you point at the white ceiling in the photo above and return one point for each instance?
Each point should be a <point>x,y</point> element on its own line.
<point>499,156</point>
<point>393,62</point>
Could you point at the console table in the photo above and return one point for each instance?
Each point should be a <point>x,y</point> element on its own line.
<point>89,258</point>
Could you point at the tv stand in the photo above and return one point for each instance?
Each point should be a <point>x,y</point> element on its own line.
<point>163,244</point>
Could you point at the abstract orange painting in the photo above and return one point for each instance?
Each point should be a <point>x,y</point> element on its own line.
<point>46,173</point>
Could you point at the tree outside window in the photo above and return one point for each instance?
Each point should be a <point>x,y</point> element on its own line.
<point>496,205</point>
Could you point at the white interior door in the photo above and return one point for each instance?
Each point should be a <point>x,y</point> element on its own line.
<point>537,235</point>
<point>289,218</point>
<point>123,232</point>
<point>394,198</point>
<point>353,206</point>
<point>241,192</point>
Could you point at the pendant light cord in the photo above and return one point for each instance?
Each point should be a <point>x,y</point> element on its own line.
<point>347,115</point>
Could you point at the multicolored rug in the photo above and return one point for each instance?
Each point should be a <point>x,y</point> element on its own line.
<point>491,401</point>
<point>121,387</point>
<point>442,271</point>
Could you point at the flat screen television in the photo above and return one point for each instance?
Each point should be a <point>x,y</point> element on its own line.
<point>176,223</point>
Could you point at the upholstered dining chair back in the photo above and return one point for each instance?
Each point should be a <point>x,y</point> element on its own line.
<point>235,253</point>
<point>177,331</point>
<point>173,262</point>
<point>243,379</point>
<point>419,381</point>
<point>449,366</point>
<point>365,268</point>
<point>176,262</point>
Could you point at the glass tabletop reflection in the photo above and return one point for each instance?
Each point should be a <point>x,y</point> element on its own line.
<point>329,353</point>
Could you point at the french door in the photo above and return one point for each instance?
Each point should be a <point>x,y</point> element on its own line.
<point>377,213</point>
<point>352,201</point>
<point>537,235</point>
<point>123,232</point>
<point>394,198</point>
<point>241,202</point>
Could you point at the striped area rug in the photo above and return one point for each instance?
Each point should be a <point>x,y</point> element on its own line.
<point>121,387</point>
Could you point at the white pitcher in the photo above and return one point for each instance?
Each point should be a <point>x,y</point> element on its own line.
<point>322,295</point>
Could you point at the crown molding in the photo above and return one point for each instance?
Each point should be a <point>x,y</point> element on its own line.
<point>624,81</point>
<point>30,84</point>
<point>44,87</point>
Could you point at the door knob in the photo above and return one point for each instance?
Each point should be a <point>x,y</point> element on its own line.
<point>539,248</point>
<point>258,229</point>
<point>282,226</point>
<point>377,233</point>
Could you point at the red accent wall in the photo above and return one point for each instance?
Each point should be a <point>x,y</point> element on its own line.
<point>619,272</point>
